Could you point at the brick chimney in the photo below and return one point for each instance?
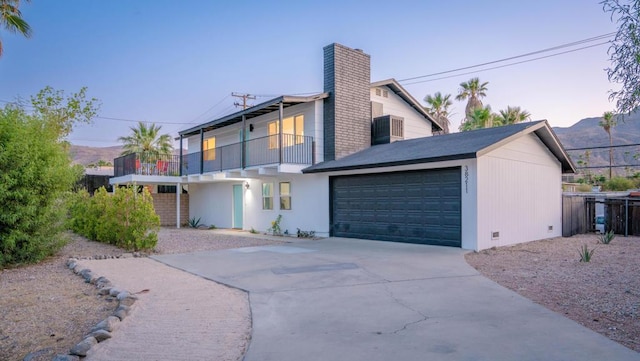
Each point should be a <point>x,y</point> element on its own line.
<point>347,110</point>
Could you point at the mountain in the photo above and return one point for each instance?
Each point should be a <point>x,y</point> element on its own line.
<point>587,133</point>
<point>84,155</point>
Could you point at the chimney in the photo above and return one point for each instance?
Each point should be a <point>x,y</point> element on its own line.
<point>347,110</point>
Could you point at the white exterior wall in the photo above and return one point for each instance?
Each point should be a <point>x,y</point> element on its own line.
<point>212,203</point>
<point>520,193</point>
<point>309,204</point>
<point>415,125</point>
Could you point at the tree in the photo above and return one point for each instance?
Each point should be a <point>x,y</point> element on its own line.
<point>145,139</point>
<point>439,109</point>
<point>607,123</point>
<point>511,115</point>
<point>479,118</point>
<point>624,53</point>
<point>11,19</point>
<point>472,90</point>
<point>36,173</point>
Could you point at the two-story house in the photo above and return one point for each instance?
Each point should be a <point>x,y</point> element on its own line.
<point>359,160</point>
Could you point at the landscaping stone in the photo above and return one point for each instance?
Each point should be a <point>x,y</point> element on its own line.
<point>104,291</point>
<point>66,358</point>
<point>108,324</point>
<point>121,312</point>
<point>83,346</point>
<point>100,335</point>
<point>127,255</point>
<point>128,301</point>
<point>34,355</point>
<point>114,291</point>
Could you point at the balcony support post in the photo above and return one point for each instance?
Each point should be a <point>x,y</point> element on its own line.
<point>280,116</point>
<point>201,150</point>
<point>180,157</point>
<point>243,136</point>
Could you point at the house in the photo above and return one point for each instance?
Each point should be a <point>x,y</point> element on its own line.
<point>359,160</point>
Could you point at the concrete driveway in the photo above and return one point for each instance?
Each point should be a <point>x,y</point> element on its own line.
<point>347,299</point>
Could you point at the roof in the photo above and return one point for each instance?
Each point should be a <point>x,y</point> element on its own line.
<point>463,145</point>
<point>402,93</point>
<point>255,111</point>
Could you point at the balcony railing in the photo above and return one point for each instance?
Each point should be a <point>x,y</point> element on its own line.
<point>147,164</point>
<point>295,149</point>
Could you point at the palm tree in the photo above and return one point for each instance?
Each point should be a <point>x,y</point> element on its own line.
<point>607,123</point>
<point>472,90</point>
<point>479,118</point>
<point>11,19</point>
<point>511,115</point>
<point>439,109</point>
<point>146,140</point>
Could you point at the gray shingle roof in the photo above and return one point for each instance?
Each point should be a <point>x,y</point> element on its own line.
<point>463,145</point>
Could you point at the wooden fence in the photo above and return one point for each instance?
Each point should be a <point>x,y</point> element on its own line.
<point>622,214</point>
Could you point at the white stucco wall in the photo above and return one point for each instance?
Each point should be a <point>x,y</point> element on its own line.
<point>212,203</point>
<point>415,125</point>
<point>520,194</point>
<point>309,204</point>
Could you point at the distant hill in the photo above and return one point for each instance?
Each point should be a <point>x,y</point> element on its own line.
<point>84,155</point>
<point>587,133</point>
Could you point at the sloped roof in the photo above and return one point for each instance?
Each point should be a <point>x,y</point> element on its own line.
<point>407,97</point>
<point>269,106</point>
<point>463,145</point>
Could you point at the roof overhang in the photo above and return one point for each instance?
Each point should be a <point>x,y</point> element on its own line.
<point>546,135</point>
<point>255,111</point>
<point>407,97</point>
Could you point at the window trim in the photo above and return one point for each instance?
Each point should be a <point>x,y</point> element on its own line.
<point>286,196</point>
<point>267,197</point>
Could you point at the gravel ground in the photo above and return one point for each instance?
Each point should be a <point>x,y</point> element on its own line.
<point>603,294</point>
<point>46,309</point>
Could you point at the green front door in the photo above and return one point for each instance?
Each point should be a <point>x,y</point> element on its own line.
<point>237,206</point>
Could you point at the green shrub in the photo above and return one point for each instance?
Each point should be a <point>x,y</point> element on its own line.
<point>618,184</point>
<point>586,253</point>
<point>125,219</point>
<point>584,188</point>
<point>194,223</point>
<point>606,238</point>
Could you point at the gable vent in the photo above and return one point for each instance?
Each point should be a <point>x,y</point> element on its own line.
<point>387,129</point>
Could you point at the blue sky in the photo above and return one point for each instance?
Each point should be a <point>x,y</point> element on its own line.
<point>178,61</point>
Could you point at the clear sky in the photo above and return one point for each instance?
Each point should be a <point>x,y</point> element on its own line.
<point>177,62</point>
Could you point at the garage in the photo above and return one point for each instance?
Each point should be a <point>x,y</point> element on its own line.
<point>421,206</point>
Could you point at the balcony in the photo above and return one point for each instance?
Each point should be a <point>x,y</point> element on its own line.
<point>265,151</point>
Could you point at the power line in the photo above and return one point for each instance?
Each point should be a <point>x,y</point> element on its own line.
<point>506,65</point>
<point>195,120</point>
<point>562,46</point>
<point>244,98</point>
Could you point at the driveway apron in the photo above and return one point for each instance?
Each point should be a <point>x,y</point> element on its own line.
<point>348,299</point>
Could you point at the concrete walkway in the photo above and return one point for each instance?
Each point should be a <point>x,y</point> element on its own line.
<point>345,299</point>
<point>181,317</point>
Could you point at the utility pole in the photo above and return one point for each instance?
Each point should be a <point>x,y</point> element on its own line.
<point>244,98</point>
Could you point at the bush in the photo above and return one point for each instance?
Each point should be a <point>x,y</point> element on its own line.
<point>36,173</point>
<point>618,184</point>
<point>586,253</point>
<point>126,219</point>
<point>606,238</point>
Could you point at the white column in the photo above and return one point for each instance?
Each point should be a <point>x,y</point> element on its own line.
<point>178,191</point>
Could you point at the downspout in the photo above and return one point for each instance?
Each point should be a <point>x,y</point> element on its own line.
<point>280,116</point>
<point>178,193</point>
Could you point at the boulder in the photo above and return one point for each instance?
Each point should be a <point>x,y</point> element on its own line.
<point>83,346</point>
<point>108,324</point>
<point>100,335</point>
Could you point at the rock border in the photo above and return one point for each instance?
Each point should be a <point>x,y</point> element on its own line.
<point>103,329</point>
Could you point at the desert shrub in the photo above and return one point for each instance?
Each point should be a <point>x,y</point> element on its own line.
<point>618,184</point>
<point>126,219</point>
<point>606,238</point>
<point>585,253</point>
<point>36,173</point>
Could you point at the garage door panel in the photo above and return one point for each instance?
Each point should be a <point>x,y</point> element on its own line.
<point>416,207</point>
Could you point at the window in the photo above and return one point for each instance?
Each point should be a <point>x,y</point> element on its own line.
<point>285,195</point>
<point>267,195</point>
<point>209,149</point>
<point>292,130</point>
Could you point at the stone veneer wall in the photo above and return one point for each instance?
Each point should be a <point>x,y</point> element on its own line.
<point>347,110</point>
<point>165,206</point>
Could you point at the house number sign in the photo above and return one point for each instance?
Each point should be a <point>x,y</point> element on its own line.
<point>466,179</point>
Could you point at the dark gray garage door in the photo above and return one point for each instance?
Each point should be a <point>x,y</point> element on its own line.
<point>415,207</point>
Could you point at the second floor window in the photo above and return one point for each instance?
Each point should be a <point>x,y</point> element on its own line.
<point>292,131</point>
<point>209,149</point>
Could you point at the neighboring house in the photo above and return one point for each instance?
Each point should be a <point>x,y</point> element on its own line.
<point>358,160</point>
